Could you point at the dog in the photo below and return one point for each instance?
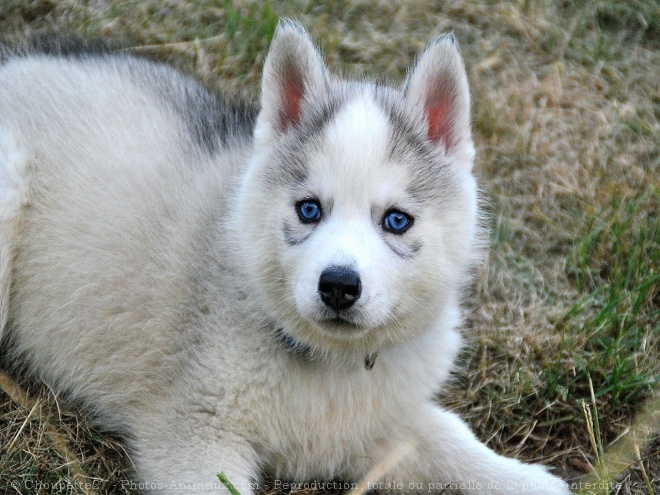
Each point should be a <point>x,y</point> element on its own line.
<point>245,288</point>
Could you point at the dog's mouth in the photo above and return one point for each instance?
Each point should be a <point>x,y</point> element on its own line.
<point>340,321</point>
<point>347,325</point>
<point>345,319</point>
<point>351,323</point>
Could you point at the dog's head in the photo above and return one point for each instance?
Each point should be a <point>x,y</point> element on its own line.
<point>358,212</point>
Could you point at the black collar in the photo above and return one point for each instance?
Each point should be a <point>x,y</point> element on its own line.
<point>294,346</point>
<point>305,352</point>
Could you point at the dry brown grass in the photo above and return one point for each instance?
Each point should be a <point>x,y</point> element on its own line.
<point>46,448</point>
<point>566,118</point>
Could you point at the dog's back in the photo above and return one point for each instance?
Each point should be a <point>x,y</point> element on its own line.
<point>102,233</point>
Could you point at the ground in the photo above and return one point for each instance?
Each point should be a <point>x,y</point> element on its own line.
<point>563,323</point>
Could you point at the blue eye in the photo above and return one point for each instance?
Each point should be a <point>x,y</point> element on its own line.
<point>309,210</point>
<point>397,222</point>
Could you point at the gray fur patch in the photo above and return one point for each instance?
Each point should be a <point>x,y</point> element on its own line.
<point>406,251</point>
<point>431,180</point>
<point>293,238</point>
<point>212,120</point>
<point>289,161</point>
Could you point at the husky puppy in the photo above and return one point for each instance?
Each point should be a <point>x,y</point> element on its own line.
<point>238,289</point>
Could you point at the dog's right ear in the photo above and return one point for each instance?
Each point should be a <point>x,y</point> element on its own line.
<point>294,72</point>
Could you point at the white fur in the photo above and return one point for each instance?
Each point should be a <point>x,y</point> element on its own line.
<point>13,165</point>
<point>345,170</point>
<point>148,277</point>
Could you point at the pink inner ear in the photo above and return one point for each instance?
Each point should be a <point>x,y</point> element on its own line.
<point>292,94</point>
<point>439,121</point>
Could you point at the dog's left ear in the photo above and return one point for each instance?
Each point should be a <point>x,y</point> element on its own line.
<point>437,90</point>
<point>294,72</point>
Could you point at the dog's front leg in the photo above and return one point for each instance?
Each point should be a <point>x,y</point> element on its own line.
<point>448,458</point>
<point>187,459</point>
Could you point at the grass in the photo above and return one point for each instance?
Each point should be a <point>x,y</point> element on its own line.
<point>620,315</point>
<point>230,487</point>
<point>563,364</point>
<point>45,448</point>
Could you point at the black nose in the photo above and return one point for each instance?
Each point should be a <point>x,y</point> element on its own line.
<point>339,287</point>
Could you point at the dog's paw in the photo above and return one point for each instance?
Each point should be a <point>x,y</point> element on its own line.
<point>535,479</point>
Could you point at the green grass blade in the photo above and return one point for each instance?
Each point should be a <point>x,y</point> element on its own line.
<point>223,479</point>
